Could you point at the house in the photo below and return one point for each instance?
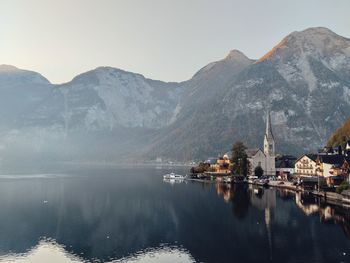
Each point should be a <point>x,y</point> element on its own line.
<point>219,166</point>
<point>329,168</point>
<point>285,166</point>
<point>347,148</point>
<point>305,166</point>
<point>211,161</point>
<point>334,168</point>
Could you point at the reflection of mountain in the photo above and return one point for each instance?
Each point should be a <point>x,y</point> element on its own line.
<point>82,212</point>
<point>50,251</point>
<point>114,214</point>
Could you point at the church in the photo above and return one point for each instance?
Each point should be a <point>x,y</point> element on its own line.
<point>266,158</point>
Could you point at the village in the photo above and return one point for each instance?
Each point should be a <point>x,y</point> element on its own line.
<point>324,174</point>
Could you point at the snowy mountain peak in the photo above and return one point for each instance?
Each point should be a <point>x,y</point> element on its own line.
<point>316,42</point>
<point>314,31</point>
<point>317,37</point>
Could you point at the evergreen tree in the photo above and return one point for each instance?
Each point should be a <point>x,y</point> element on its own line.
<point>240,162</point>
<point>258,171</point>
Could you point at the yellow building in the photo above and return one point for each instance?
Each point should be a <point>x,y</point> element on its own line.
<point>222,165</point>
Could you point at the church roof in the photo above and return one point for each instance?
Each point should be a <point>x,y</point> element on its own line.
<point>284,163</point>
<point>252,152</point>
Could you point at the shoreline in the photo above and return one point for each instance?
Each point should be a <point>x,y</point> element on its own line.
<point>328,197</point>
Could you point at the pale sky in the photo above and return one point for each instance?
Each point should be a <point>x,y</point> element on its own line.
<point>161,39</point>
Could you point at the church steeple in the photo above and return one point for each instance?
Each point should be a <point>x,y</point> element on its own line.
<point>269,141</point>
<point>268,131</point>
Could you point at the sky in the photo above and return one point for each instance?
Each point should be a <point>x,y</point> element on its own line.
<point>161,39</point>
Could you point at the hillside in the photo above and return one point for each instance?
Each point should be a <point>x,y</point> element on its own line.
<point>341,135</point>
<point>304,81</point>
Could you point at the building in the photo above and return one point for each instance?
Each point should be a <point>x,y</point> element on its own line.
<point>256,158</point>
<point>269,149</point>
<point>285,166</point>
<point>219,166</point>
<point>329,168</point>
<point>347,148</point>
<point>305,166</point>
<point>266,158</point>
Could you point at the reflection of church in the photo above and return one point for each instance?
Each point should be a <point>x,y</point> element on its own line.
<point>265,159</point>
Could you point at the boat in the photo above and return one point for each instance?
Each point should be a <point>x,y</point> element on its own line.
<point>174,176</point>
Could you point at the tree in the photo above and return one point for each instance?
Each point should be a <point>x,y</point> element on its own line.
<point>240,162</point>
<point>258,171</point>
<point>201,168</point>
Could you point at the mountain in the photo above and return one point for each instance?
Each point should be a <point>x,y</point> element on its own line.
<point>304,81</point>
<point>21,90</point>
<point>341,135</point>
<point>103,113</point>
<point>201,129</point>
<point>111,114</point>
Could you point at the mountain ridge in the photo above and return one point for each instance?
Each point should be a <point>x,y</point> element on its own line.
<point>304,81</point>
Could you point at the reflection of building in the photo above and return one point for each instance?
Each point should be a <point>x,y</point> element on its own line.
<point>310,205</point>
<point>265,159</point>
<point>224,190</point>
<point>306,203</point>
<point>267,200</point>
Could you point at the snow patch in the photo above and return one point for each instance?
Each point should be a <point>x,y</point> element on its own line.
<point>256,105</point>
<point>306,72</point>
<point>346,94</point>
<point>276,95</point>
<point>176,112</point>
<point>278,117</point>
<point>329,85</point>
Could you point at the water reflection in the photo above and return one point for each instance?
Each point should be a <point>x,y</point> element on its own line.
<point>242,197</point>
<point>132,215</point>
<point>51,251</point>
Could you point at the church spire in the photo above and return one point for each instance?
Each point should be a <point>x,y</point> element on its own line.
<point>268,132</point>
<point>269,141</point>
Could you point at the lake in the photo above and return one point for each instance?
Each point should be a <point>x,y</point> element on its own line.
<point>132,215</point>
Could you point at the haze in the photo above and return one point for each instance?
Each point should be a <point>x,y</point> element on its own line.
<point>166,40</point>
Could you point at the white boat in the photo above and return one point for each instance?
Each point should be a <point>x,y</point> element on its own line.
<point>174,176</point>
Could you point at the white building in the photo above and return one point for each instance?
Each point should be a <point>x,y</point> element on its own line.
<point>265,159</point>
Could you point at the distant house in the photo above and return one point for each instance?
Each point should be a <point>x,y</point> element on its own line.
<point>334,168</point>
<point>305,166</point>
<point>219,166</point>
<point>331,168</point>
<point>285,166</point>
<point>211,161</point>
<point>347,148</point>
